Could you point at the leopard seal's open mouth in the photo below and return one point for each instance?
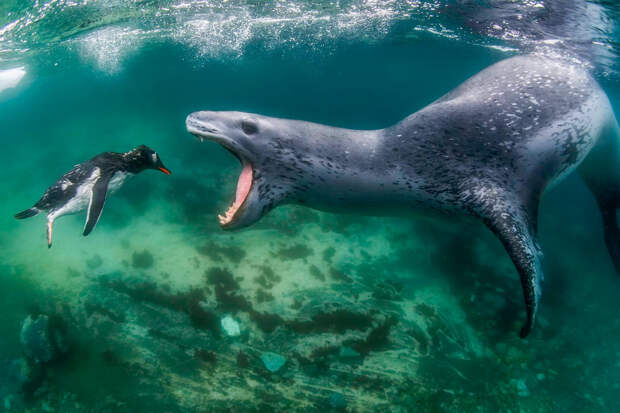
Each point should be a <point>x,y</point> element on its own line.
<point>203,130</point>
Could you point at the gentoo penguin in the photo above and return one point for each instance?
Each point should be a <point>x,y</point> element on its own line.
<point>87,184</point>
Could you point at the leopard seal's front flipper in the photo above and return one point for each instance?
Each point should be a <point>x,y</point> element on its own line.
<point>512,217</point>
<point>488,149</point>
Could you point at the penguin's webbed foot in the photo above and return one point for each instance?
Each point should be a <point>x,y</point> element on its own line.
<point>50,230</point>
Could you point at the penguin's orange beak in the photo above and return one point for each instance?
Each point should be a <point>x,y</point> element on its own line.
<point>164,170</point>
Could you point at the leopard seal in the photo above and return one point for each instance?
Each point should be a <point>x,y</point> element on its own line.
<point>488,149</point>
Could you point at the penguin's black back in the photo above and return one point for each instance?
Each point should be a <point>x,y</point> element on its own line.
<point>66,186</point>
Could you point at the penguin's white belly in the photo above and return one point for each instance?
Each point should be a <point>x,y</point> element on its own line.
<point>78,203</point>
<point>81,199</point>
<point>118,179</point>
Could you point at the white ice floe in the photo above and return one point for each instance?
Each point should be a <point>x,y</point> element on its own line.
<point>11,77</point>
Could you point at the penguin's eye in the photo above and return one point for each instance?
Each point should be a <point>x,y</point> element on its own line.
<point>154,157</point>
<point>249,126</point>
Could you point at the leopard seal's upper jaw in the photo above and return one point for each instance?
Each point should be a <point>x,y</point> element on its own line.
<point>488,149</point>
<point>198,125</point>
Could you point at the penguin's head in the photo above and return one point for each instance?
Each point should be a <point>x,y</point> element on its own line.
<point>144,157</point>
<point>258,142</point>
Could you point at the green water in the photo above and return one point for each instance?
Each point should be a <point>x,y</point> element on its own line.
<point>429,308</point>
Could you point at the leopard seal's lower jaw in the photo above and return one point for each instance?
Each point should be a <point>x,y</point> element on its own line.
<point>488,149</point>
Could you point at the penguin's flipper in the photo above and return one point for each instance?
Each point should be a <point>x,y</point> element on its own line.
<point>97,200</point>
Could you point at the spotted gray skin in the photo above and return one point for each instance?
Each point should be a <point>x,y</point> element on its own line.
<point>488,149</point>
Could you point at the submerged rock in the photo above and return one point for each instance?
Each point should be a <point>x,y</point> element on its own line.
<point>272,361</point>
<point>337,401</point>
<point>43,338</point>
<point>94,262</point>
<point>20,372</point>
<point>230,326</point>
<point>18,378</point>
<point>13,374</point>
<point>522,389</point>
<point>142,260</point>
<point>348,352</point>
